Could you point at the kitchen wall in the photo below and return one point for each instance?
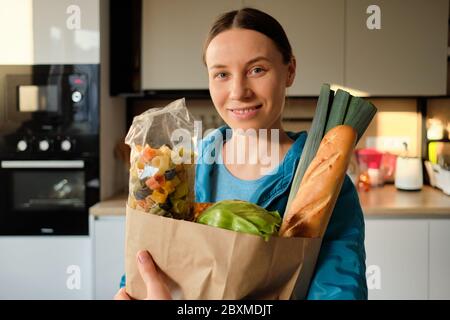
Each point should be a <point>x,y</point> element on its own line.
<point>398,119</point>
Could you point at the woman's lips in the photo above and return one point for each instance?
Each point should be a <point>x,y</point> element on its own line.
<point>245,113</point>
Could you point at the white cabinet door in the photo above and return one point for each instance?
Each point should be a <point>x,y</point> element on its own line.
<point>173,33</point>
<point>440,259</point>
<point>55,267</point>
<point>109,235</point>
<point>397,258</point>
<point>66,31</point>
<point>315,29</point>
<point>407,56</point>
<point>49,31</point>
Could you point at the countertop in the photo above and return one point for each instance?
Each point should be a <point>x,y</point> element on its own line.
<point>383,202</point>
<point>388,201</point>
<point>114,206</point>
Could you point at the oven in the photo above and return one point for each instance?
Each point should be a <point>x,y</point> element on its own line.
<point>47,197</point>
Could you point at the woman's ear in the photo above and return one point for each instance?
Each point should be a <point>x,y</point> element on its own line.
<point>291,72</point>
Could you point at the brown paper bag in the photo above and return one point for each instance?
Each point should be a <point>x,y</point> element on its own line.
<point>204,262</point>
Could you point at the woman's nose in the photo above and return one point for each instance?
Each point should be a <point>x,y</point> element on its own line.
<point>240,89</point>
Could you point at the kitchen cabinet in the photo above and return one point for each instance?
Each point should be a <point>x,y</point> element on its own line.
<point>406,56</point>
<point>173,33</point>
<point>109,250</point>
<point>439,259</point>
<point>332,42</point>
<point>397,258</point>
<point>164,54</point>
<point>46,267</point>
<point>50,32</point>
<point>315,29</point>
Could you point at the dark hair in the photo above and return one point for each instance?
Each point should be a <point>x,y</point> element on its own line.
<point>252,19</point>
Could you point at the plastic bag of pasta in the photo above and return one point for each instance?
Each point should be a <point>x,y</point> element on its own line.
<point>162,169</point>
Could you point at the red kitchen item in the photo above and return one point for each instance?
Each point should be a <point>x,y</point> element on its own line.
<point>388,166</point>
<point>369,161</point>
<point>371,157</point>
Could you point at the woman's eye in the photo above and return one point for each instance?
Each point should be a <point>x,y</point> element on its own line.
<point>220,75</point>
<point>257,70</point>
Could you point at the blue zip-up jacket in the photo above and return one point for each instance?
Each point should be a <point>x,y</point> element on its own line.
<point>340,269</point>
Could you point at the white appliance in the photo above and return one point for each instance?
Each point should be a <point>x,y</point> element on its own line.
<point>408,173</point>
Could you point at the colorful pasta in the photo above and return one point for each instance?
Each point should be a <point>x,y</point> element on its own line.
<point>158,184</point>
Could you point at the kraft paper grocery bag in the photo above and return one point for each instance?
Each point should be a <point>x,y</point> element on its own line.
<point>204,262</point>
<point>198,261</point>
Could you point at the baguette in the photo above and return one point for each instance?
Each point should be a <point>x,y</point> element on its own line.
<point>311,209</point>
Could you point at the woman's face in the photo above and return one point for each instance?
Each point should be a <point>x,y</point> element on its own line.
<point>248,79</point>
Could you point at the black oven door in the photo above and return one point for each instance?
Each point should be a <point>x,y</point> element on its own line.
<point>43,197</point>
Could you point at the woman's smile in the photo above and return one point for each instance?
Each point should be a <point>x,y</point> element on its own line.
<point>244,113</point>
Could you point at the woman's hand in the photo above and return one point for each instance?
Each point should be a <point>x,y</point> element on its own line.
<point>156,288</point>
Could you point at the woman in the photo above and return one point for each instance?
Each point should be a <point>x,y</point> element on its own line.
<point>250,64</point>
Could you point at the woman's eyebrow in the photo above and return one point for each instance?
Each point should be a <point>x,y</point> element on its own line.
<point>257,59</point>
<point>217,66</point>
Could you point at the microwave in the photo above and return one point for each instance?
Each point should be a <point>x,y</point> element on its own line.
<point>49,111</point>
<point>52,97</point>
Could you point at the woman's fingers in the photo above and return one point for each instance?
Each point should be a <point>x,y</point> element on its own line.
<point>156,288</point>
<point>122,295</point>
